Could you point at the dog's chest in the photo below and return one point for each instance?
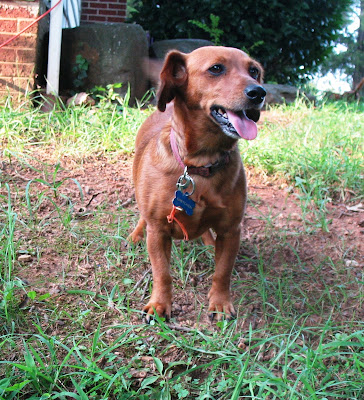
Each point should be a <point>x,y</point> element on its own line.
<point>206,199</point>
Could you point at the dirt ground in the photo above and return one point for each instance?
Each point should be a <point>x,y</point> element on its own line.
<point>273,231</point>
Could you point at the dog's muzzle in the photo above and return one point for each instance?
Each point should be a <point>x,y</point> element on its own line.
<point>255,94</point>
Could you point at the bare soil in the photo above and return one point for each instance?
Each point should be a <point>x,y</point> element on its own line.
<point>277,247</point>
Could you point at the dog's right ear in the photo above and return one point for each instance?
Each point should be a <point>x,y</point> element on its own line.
<point>173,76</point>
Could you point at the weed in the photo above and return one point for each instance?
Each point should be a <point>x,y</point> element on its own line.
<point>80,70</point>
<point>214,31</point>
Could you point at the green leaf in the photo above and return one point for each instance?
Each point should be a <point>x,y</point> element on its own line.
<point>158,364</point>
<point>32,294</point>
<point>16,387</point>
<point>44,296</point>
<point>148,381</point>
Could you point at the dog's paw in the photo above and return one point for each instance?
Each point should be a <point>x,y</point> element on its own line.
<point>135,237</point>
<point>138,233</point>
<point>220,307</point>
<point>162,309</point>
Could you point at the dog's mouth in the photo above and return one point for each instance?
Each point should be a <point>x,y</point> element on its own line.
<point>235,124</point>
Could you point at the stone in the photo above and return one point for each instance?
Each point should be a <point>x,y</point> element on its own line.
<point>280,94</point>
<point>80,99</point>
<point>25,258</point>
<point>351,263</point>
<point>114,53</point>
<point>160,48</point>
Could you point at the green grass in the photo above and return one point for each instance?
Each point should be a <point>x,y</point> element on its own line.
<point>307,144</point>
<point>76,131</point>
<point>294,338</point>
<point>318,150</point>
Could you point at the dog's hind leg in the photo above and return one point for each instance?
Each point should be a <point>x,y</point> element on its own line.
<point>208,238</point>
<point>138,233</point>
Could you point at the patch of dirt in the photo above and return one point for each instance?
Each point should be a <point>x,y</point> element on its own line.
<point>280,246</point>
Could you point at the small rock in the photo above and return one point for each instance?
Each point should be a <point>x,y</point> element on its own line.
<point>80,99</point>
<point>296,217</point>
<point>25,258</point>
<point>357,208</point>
<point>351,263</point>
<point>137,374</point>
<point>146,359</point>
<point>289,189</point>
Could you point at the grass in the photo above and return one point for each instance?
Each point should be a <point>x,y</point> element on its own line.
<point>76,132</point>
<point>318,150</point>
<point>76,334</point>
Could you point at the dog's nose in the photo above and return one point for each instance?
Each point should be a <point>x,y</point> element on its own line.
<point>255,94</point>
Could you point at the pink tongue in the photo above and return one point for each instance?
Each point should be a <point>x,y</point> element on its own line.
<point>245,127</point>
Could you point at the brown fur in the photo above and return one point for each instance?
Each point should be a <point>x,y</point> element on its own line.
<point>185,96</point>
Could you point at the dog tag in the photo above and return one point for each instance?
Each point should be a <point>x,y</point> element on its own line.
<point>182,201</point>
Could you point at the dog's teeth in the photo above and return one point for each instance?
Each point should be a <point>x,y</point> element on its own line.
<point>225,115</point>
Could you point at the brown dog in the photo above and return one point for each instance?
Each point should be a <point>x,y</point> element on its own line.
<point>207,100</point>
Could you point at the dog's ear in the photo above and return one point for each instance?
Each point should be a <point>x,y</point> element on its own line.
<point>173,76</point>
<point>253,114</point>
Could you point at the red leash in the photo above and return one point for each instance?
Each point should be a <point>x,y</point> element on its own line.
<point>171,217</point>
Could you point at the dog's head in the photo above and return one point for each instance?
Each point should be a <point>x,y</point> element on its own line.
<point>223,82</point>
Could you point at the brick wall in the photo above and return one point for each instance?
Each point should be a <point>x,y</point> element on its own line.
<point>17,60</point>
<point>103,11</point>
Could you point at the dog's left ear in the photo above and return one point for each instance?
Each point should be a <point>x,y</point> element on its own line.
<point>173,76</point>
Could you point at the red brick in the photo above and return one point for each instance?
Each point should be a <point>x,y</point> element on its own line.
<point>3,84</point>
<point>116,19</point>
<point>98,5</point>
<point>25,83</point>
<point>16,85</point>
<point>107,12</point>
<point>96,18</point>
<point>117,6</point>
<point>8,55</point>
<point>16,70</point>
<point>16,12</point>
<point>26,56</point>
<point>90,11</point>
<point>9,25</point>
<point>21,41</point>
<point>22,23</point>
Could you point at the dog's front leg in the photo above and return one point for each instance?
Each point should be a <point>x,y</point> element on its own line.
<point>226,249</point>
<point>159,248</point>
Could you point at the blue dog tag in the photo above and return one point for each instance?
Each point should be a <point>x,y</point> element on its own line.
<point>182,200</point>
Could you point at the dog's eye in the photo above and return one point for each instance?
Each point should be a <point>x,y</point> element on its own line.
<point>254,72</point>
<point>217,69</point>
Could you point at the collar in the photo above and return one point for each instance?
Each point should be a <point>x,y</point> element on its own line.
<point>206,170</point>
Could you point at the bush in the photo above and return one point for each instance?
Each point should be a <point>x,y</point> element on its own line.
<point>290,38</point>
